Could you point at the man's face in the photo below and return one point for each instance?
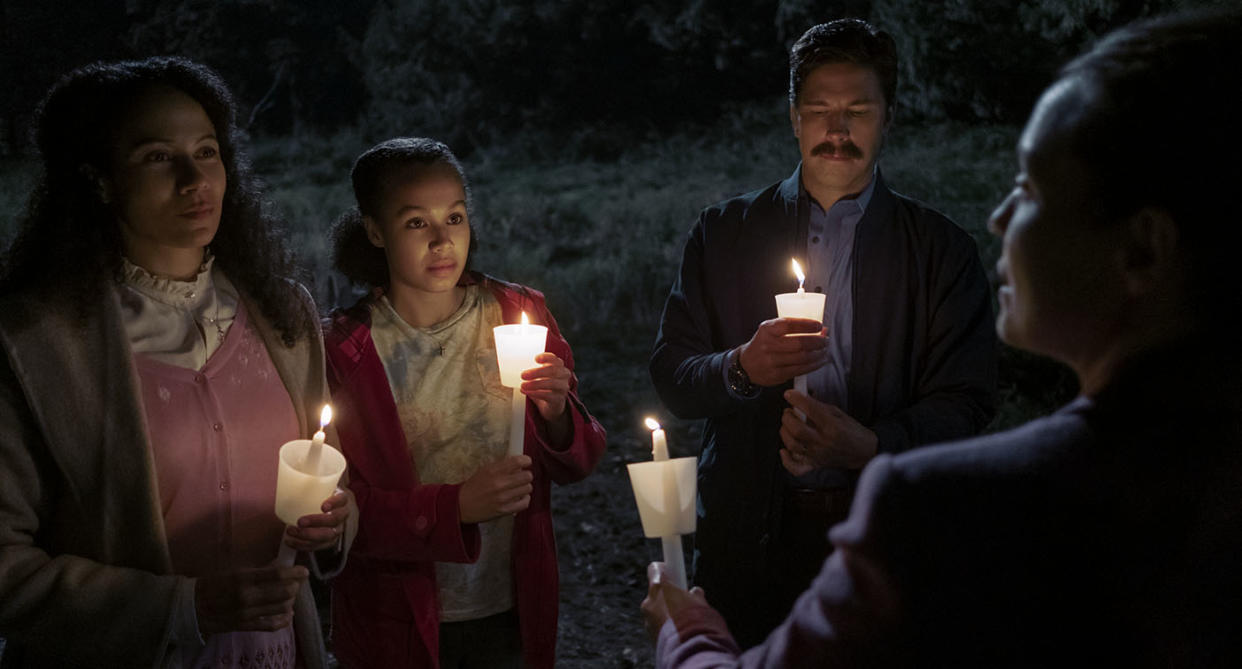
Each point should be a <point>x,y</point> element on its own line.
<point>1060,288</point>
<point>840,121</point>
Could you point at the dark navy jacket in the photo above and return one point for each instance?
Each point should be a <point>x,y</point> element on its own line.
<point>923,362</point>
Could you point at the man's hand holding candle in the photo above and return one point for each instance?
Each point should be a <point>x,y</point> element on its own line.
<point>771,358</point>
<point>322,531</point>
<point>254,599</point>
<point>828,438</point>
<point>500,488</point>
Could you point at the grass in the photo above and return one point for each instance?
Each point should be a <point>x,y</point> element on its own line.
<point>603,237</point>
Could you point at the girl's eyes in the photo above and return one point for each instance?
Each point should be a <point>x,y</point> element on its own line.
<point>416,223</point>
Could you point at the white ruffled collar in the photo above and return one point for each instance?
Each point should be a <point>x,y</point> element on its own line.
<point>173,292</point>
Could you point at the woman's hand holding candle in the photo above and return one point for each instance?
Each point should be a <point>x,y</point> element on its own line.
<point>321,531</point>
<point>770,358</point>
<point>253,599</point>
<point>496,489</point>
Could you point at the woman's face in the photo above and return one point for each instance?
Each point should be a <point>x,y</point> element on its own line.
<point>423,228</point>
<point>167,178</point>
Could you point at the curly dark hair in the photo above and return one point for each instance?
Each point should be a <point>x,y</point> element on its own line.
<point>353,254</point>
<point>69,242</point>
<point>845,41</point>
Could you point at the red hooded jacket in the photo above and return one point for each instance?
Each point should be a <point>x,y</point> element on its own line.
<point>385,608</point>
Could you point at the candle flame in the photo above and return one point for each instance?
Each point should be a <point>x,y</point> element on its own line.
<point>651,423</point>
<point>325,416</point>
<point>525,320</point>
<point>797,269</point>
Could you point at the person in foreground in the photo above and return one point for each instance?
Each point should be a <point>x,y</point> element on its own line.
<point>455,563</point>
<point>147,384</point>
<point>907,356</point>
<point>1108,533</point>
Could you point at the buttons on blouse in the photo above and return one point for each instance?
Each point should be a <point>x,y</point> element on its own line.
<point>224,485</point>
<point>217,427</point>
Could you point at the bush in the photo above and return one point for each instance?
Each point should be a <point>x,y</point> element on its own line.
<point>971,60</point>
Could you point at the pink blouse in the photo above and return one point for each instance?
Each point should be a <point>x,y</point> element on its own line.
<point>215,434</point>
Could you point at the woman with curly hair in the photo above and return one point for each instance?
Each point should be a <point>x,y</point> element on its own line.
<point>157,353</point>
<point>455,562</point>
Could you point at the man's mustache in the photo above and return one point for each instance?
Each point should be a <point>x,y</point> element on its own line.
<point>845,150</point>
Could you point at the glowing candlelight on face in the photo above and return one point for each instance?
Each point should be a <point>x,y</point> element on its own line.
<point>797,269</point>
<point>659,445</point>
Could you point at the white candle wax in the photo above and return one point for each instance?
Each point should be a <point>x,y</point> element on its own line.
<point>800,305</point>
<point>300,490</point>
<point>665,474</point>
<point>516,348</point>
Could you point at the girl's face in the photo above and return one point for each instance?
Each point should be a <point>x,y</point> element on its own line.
<point>423,228</point>
<point>167,179</point>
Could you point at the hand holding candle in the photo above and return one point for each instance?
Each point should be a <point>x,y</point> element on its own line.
<point>800,305</point>
<point>664,490</point>
<point>307,475</point>
<point>516,348</point>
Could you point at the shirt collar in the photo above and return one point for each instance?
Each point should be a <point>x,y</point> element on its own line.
<point>861,200</point>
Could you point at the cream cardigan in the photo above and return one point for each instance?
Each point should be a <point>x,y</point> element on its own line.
<point>84,566</point>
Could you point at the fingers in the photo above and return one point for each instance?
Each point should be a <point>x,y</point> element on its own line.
<point>248,599</point>
<point>798,326</point>
<point>794,464</point>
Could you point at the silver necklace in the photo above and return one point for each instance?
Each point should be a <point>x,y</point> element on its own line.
<point>215,322</point>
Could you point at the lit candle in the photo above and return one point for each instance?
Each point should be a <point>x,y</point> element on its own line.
<point>307,474</point>
<point>516,348</point>
<point>316,447</point>
<point>659,444</point>
<point>658,489</point>
<point>800,305</point>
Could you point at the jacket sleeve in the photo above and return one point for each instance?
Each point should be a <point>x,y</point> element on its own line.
<point>955,395</point>
<point>849,617</point>
<point>576,460</point>
<point>414,524</point>
<point>686,368</point>
<point>63,603</point>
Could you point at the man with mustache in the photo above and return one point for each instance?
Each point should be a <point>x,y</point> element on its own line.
<point>906,355</point>
<point>1109,533</point>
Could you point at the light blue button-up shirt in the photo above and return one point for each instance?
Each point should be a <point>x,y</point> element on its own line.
<point>830,270</point>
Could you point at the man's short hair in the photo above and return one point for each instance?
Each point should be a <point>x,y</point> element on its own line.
<point>1156,133</point>
<point>845,41</point>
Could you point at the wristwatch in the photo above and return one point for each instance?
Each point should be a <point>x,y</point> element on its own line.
<point>739,381</point>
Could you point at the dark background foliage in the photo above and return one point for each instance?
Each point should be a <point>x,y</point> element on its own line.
<point>593,131</point>
<point>475,72</point>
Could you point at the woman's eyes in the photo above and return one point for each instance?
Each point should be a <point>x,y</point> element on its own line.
<point>456,219</point>
<point>160,156</point>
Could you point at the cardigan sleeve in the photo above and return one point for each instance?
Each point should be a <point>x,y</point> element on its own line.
<point>46,596</point>
<point>687,370</point>
<point>849,617</point>
<point>955,393</point>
